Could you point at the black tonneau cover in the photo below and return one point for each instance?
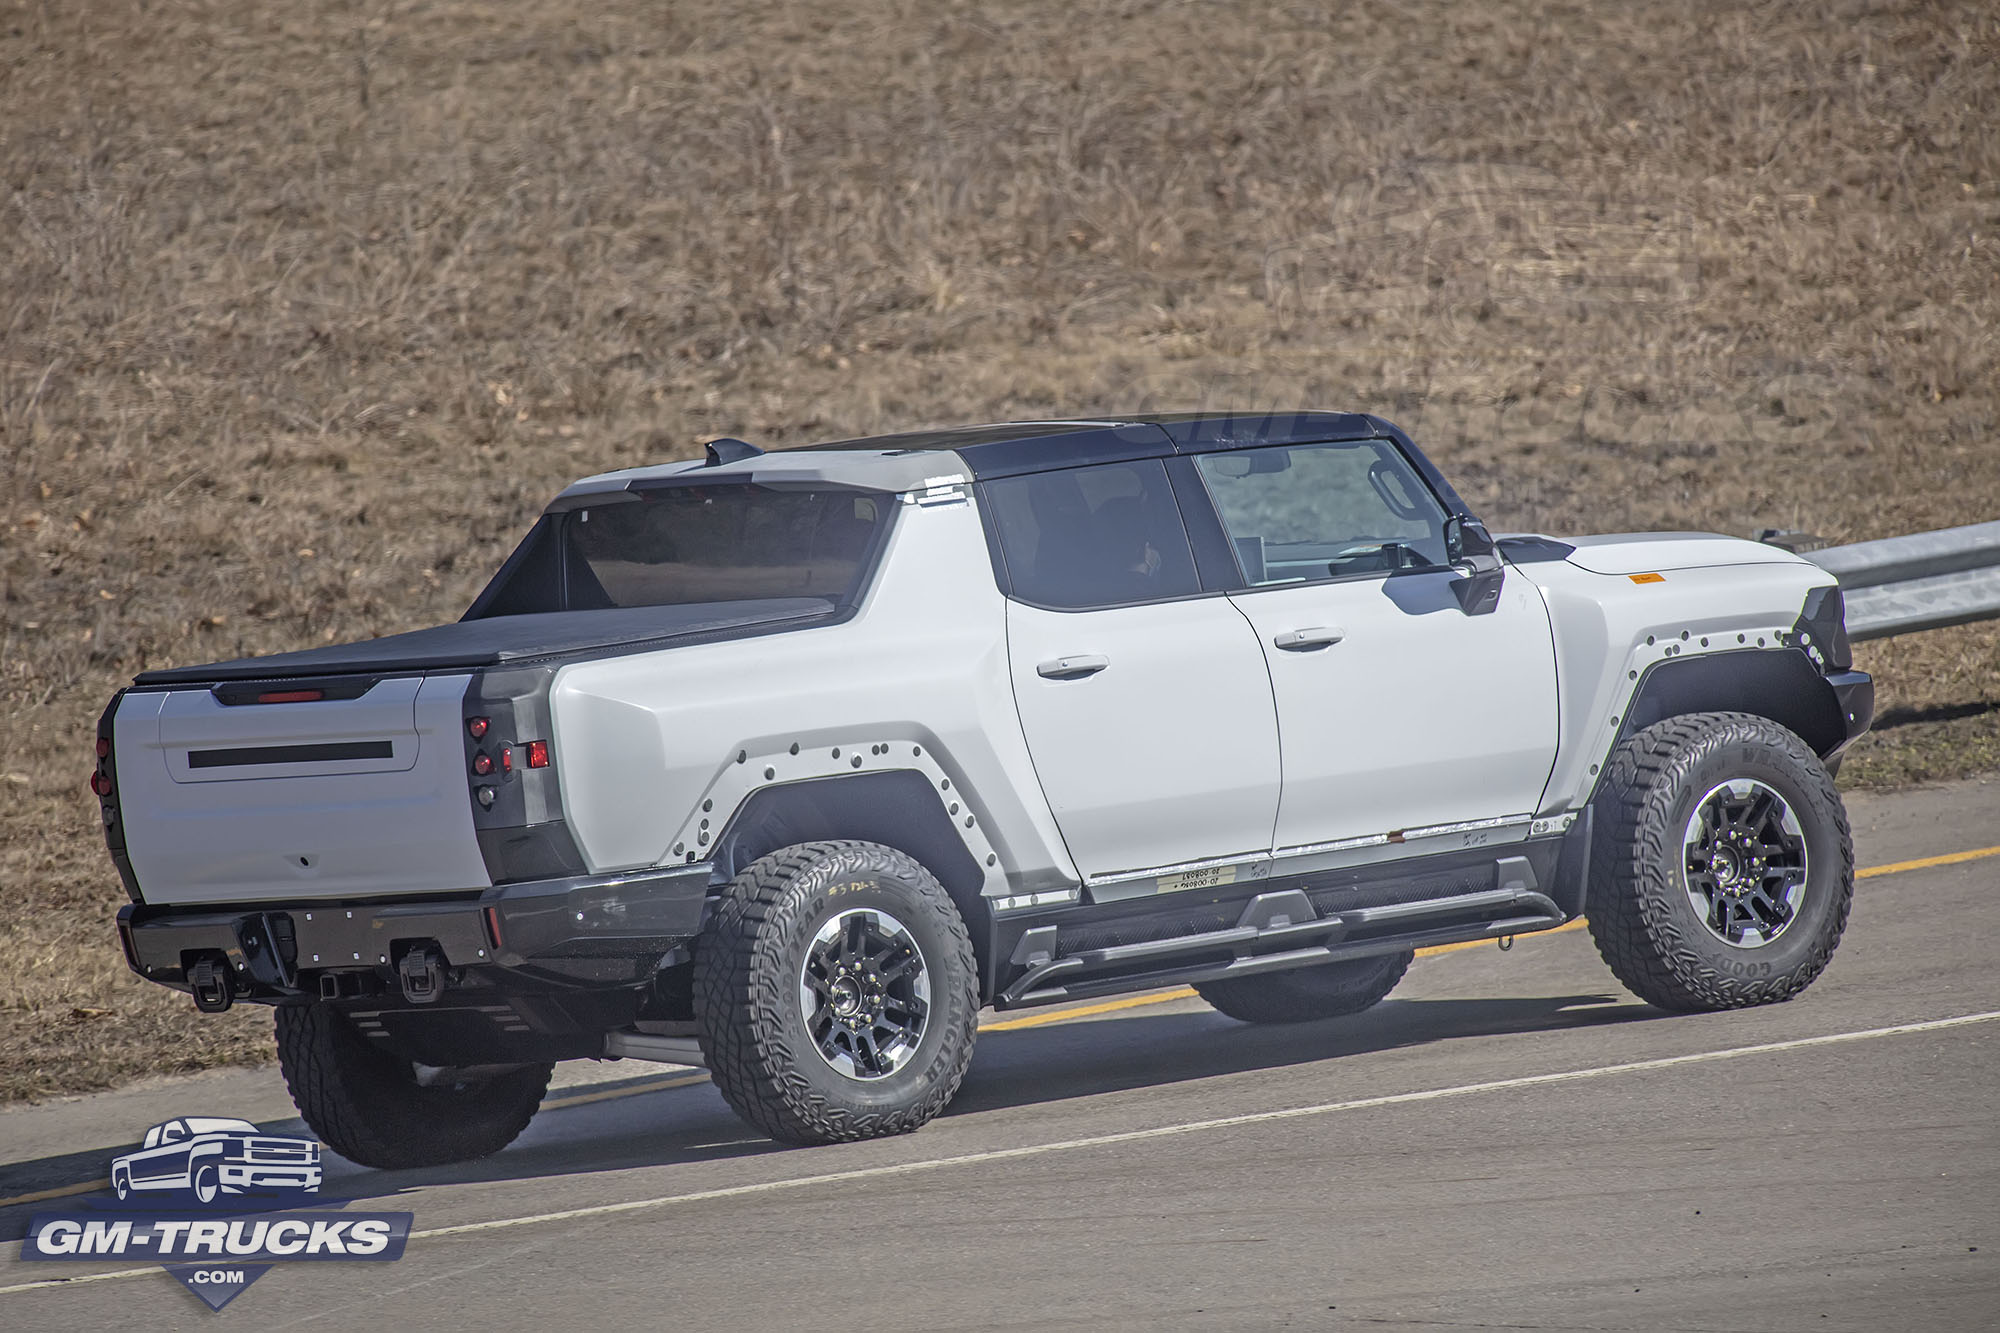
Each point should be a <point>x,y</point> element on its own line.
<point>502,639</point>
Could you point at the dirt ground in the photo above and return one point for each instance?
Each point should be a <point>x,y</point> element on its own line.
<point>305,309</point>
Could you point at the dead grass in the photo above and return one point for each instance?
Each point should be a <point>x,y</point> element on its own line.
<point>304,309</point>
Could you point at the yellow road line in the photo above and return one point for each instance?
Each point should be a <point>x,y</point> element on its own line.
<point>1929,863</point>
<point>1086,1010</point>
<point>60,1192</point>
<point>1052,1016</point>
<point>634,1090</point>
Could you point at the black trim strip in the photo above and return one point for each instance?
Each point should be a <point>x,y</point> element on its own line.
<point>244,756</point>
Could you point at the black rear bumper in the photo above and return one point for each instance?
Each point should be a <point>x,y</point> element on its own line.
<point>590,930</point>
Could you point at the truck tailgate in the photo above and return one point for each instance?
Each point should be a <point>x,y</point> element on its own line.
<point>290,801</point>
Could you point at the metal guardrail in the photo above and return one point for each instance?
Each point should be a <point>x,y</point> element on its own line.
<point>1928,580</point>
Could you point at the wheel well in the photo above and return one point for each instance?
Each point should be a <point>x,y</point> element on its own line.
<point>1783,686</point>
<point>897,809</point>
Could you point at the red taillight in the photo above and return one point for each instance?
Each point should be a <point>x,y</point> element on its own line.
<point>493,925</point>
<point>101,783</point>
<point>506,759</point>
<point>103,747</point>
<point>538,754</point>
<point>291,696</point>
<point>482,763</point>
<point>477,726</point>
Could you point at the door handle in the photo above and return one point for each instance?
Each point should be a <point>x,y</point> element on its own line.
<point>1305,640</point>
<point>1074,667</point>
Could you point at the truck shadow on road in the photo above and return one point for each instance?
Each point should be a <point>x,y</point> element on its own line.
<point>1011,1069</point>
<point>1135,1051</point>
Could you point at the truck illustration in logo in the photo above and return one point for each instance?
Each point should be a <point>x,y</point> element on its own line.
<point>211,1156</point>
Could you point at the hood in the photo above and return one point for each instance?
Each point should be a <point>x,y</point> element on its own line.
<point>1659,552</point>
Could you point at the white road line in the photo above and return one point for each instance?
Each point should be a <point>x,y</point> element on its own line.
<point>1141,1135</point>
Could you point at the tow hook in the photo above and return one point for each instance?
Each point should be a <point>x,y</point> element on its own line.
<point>422,974</point>
<point>209,981</point>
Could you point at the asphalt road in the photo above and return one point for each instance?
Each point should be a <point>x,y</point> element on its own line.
<point>1508,1141</point>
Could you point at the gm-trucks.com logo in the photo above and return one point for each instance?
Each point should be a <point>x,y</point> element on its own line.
<point>206,1198</point>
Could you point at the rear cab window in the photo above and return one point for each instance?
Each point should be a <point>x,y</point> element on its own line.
<point>1310,512</point>
<point>682,545</point>
<point>1091,537</point>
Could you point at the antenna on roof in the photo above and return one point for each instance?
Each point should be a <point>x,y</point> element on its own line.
<point>726,450</point>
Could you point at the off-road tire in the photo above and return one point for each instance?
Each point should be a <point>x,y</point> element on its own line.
<point>1304,994</point>
<point>752,1029</point>
<point>366,1105</point>
<point>1639,911</point>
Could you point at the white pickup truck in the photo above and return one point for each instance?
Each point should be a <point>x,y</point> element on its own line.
<point>787,763</point>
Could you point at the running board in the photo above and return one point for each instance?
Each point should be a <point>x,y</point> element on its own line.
<point>1276,931</point>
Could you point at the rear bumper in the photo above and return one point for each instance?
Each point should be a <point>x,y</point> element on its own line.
<point>585,930</point>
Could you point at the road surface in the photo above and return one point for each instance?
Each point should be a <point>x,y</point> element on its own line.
<point>1509,1141</point>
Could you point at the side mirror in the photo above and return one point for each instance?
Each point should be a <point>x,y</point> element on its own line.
<point>1476,558</point>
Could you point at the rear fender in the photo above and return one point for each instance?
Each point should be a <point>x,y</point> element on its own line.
<point>924,816</point>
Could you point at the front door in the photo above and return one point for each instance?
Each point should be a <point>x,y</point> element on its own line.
<point>1397,710</point>
<point>1146,703</point>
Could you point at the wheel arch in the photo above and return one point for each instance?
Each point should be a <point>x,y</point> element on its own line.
<point>1782,686</point>
<point>897,808</point>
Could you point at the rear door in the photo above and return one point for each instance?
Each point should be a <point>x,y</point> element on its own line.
<point>1145,701</point>
<point>1399,712</point>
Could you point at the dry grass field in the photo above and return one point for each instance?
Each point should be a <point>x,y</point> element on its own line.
<point>306,308</point>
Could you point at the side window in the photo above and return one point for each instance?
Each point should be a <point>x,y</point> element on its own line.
<point>1319,511</point>
<point>1092,536</point>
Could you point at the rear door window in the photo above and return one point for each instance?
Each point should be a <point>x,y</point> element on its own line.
<point>1087,537</point>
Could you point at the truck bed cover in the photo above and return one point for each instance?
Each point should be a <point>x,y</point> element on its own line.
<point>498,640</point>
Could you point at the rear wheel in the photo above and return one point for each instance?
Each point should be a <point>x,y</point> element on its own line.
<point>837,993</point>
<point>1722,870</point>
<point>365,1103</point>
<point>1299,996</point>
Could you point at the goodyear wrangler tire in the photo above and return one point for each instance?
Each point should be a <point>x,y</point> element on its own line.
<point>836,993</point>
<point>1304,994</point>
<point>1722,870</point>
<point>366,1104</point>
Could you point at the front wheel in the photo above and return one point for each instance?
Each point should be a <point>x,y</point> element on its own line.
<point>1301,995</point>
<point>207,1183</point>
<point>1723,869</point>
<point>366,1104</point>
<point>837,993</point>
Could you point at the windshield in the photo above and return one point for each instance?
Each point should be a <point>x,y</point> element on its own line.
<point>688,544</point>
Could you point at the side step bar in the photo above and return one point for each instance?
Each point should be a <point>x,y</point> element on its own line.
<point>1276,931</point>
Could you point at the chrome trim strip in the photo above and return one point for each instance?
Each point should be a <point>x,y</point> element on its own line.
<point>1178,868</point>
<point>1404,836</point>
<point>1312,849</point>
